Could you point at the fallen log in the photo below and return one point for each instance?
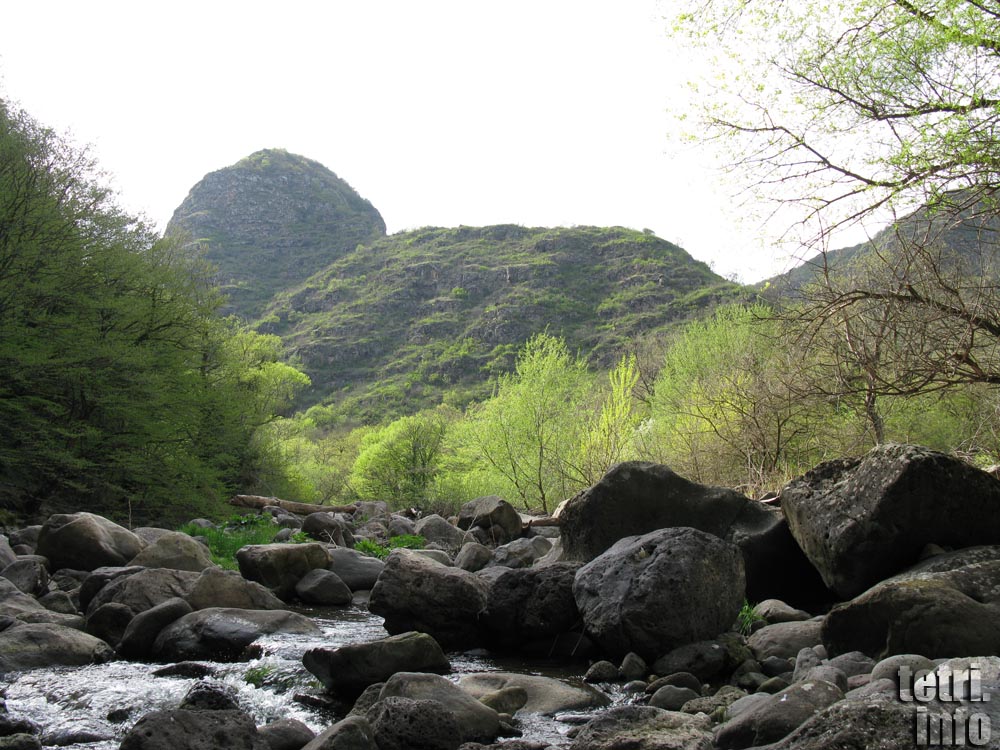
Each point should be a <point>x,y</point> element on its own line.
<point>304,509</point>
<point>542,521</point>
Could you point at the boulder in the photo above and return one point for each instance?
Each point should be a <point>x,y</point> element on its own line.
<point>222,634</point>
<point>180,729</point>
<point>356,570</point>
<point>476,722</point>
<point>521,553</point>
<point>281,566</point>
<point>85,541</point>
<point>635,498</point>
<point>777,716</point>
<point>29,574</point>
<point>15,604</point>
<point>93,581</point>
<point>216,587</point>
<point>286,734</point>
<point>644,728</point>
<point>786,639</point>
<point>329,528</point>
<point>352,733</point>
<point>872,721</point>
<point>149,534</point>
<point>534,604</point>
<point>322,587</point>
<point>413,724</point>
<point>30,646</point>
<point>655,592</point>
<point>140,634</point>
<point>473,556</point>
<point>211,695</point>
<point>143,589</point>
<point>416,593</point>
<point>175,550</point>
<point>7,555</point>
<point>704,659</point>
<point>109,621</point>
<point>400,526</point>
<point>436,530</point>
<point>494,514</point>
<point>543,695</point>
<point>862,520</point>
<point>348,670</point>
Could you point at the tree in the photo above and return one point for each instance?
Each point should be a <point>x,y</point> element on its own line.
<point>855,110</point>
<point>527,432</point>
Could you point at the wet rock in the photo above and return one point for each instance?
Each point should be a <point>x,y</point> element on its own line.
<point>185,669</point>
<point>661,590</point>
<point>20,742</point>
<point>476,722</point>
<point>174,550</point>
<point>352,733</point>
<point>140,634</point>
<point>672,698</point>
<point>862,520</point>
<point>85,541</point>
<point>322,587</point>
<point>221,634</point>
<point>194,730</point>
<point>544,695</point>
<point>208,695</point>
<point>413,724</point>
<point>30,646</point>
<point>644,728</point>
<point>602,671</point>
<point>531,605</point>
<point>348,670</point>
<point>415,593</point>
<point>281,566</point>
<point>286,734</point>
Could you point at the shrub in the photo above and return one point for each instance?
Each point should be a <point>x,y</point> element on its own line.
<point>238,532</point>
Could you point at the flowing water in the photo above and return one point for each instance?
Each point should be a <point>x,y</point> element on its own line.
<point>91,708</point>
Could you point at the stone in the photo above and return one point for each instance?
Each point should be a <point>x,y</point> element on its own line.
<point>437,530</point>
<point>777,716</point>
<point>543,695</point>
<point>415,593</point>
<point>328,528</point>
<point>633,667</point>
<point>644,728</point>
<point>286,734</point>
<point>58,601</point>
<point>413,724</point>
<point>221,634</point>
<point>889,667</point>
<point>210,695</point>
<point>93,581</point>
<point>437,555</point>
<point>704,659</point>
<point>356,570</point>
<point>109,622</point>
<point>774,610</point>
<point>635,498</point>
<point>322,587</point>
<point>149,534</point>
<point>216,587</point>
<point>862,520</point>
<point>142,589</point>
<point>521,553</point>
<point>351,733</point>
<point>494,514</point>
<point>531,605</point>
<point>476,722</point>
<point>174,550</point>
<point>785,639</point>
<point>672,698</point>
<point>29,574</point>
<point>85,541</point>
<point>473,556</point>
<point>179,729</point>
<point>34,645</point>
<point>7,555</point>
<point>401,526</point>
<point>140,634</point>
<point>602,671</point>
<point>872,721</point>
<point>658,591</point>
<point>346,671</point>
<point>506,700</point>
<point>20,742</point>
<point>280,566</point>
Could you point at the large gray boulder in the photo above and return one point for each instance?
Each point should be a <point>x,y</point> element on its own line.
<point>543,695</point>
<point>652,593</point>
<point>531,605</point>
<point>328,528</point>
<point>84,541</point>
<point>281,566</point>
<point>323,587</point>
<point>637,497</point>
<point>29,574</point>
<point>34,645</point>
<point>216,587</point>
<point>16,604</point>
<point>7,555</point>
<point>477,722</point>
<point>416,593</point>
<point>143,589</point>
<point>413,724</point>
<point>181,729</point>
<point>862,520</point>
<point>437,530</point>
<point>495,515</point>
<point>142,630</point>
<point>175,550</point>
<point>352,733</point>
<point>358,571</point>
<point>222,634</point>
<point>875,720</point>
<point>348,670</point>
<point>778,715</point>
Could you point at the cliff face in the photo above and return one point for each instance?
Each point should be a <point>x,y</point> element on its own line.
<point>270,221</point>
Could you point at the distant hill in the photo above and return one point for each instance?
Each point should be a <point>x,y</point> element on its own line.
<point>272,220</point>
<point>387,324</point>
<point>403,318</point>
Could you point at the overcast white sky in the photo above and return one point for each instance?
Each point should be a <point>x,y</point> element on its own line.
<point>534,112</point>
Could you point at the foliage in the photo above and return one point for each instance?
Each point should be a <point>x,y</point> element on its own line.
<point>121,391</point>
<point>747,618</point>
<point>371,548</point>
<point>224,543</point>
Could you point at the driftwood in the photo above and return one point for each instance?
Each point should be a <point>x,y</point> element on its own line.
<point>257,501</point>
<point>543,521</point>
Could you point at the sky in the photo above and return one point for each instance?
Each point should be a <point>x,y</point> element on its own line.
<point>441,113</point>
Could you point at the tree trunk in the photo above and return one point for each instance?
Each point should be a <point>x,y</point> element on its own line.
<point>257,501</point>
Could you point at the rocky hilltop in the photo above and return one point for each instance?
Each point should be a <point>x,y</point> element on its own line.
<point>270,221</point>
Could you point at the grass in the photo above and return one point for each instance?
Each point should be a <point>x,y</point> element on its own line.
<point>747,618</point>
<point>239,531</point>
<point>381,551</point>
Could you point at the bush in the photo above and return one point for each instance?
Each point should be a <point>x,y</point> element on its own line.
<point>238,532</point>
<point>373,549</point>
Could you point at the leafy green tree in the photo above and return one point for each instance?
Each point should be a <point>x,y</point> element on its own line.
<point>528,432</point>
<point>120,389</point>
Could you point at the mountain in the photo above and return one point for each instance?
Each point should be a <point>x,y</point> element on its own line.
<point>403,318</point>
<point>387,324</point>
<point>270,221</point>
